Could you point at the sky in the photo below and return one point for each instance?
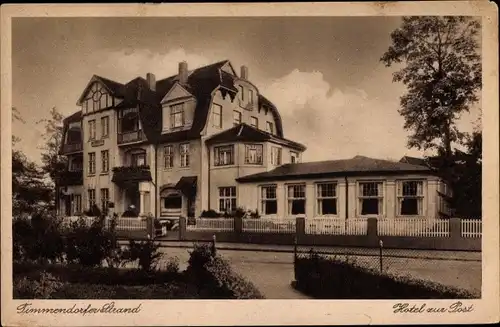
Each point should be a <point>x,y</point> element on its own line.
<point>323,73</point>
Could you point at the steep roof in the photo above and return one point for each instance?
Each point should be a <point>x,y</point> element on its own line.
<point>358,165</point>
<point>413,161</point>
<point>246,133</point>
<point>201,83</point>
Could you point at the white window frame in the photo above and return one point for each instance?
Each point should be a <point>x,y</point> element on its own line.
<point>227,196</point>
<point>104,197</point>
<point>92,163</point>
<point>320,198</point>
<point>177,109</point>
<point>105,126</point>
<point>419,196</point>
<point>293,197</point>
<point>216,115</point>
<point>168,156</point>
<point>276,156</point>
<point>263,199</point>
<point>92,197</point>
<point>236,117</point>
<point>104,161</point>
<point>221,157</point>
<point>256,147</point>
<point>184,154</point>
<point>294,154</point>
<point>92,130</point>
<point>380,197</point>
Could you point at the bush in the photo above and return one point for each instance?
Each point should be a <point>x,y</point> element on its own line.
<point>146,252</point>
<point>90,246</point>
<point>41,288</point>
<point>332,278</point>
<point>38,239</point>
<point>94,211</point>
<point>214,277</point>
<point>210,214</point>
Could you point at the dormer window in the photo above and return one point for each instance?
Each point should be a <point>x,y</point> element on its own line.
<point>217,115</point>
<point>177,115</point>
<point>250,96</point>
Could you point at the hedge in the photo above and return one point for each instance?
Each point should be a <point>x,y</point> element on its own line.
<point>332,278</point>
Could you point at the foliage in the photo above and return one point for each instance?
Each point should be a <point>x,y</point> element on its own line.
<point>442,73</point>
<point>145,252</point>
<point>210,214</point>
<point>89,246</point>
<point>214,277</point>
<point>37,239</point>
<point>93,211</point>
<point>333,278</point>
<point>42,288</point>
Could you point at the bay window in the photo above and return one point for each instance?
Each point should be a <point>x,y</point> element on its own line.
<point>275,156</point>
<point>268,200</point>
<point>253,154</point>
<point>410,198</point>
<point>326,197</point>
<point>296,198</point>
<point>370,198</point>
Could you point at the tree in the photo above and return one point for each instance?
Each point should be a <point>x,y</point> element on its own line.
<point>53,163</point>
<point>441,69</point>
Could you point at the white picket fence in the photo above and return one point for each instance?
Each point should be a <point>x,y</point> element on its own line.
<point>263,225</point>
<point>472,228</point>
<point>335,226</point>
<point>417,227</point>
<point>121,223</point>
<point>209,224</point>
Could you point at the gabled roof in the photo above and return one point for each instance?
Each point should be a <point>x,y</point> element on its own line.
<point>358,165</point>
<point>413,161</point>
<point>246,133</point>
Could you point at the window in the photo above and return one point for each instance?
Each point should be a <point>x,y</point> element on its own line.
<point>227,199</point>
<point>105,126</point>
<point>326,196</point>
<point>76,164</point>
<point>217,115</point>
<point>104,199</point>
<point>105,161</point>
<point>254,122</point>
<point>275,156</point>
<point>250,96</point>
<point>77,204</point>
<point>172,202</point>
<point>184,150</point>
<point>168,156</point>
<point>92,163</point>
<point>296,198</point>
<point>253,154</point>
<point>138,159</point>
<point>371,198</point>
<point>268,200</point>
<point>269,127</point>
<point>236,117</point>
<point>177,115</point>
<point>242,93</point>
<point>128,120</point>
<point>92,134</point>
<point>294,157</point>
<point>91,193</point>
<point>410,198</point>
<point>224,155</point>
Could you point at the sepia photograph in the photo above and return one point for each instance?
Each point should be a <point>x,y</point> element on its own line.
<point>247,157</point>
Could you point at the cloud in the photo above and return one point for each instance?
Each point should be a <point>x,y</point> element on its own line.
<point>335,123</point>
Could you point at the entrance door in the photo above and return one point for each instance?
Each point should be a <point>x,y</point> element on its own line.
<point>67,206</point>
<point>133,198</point>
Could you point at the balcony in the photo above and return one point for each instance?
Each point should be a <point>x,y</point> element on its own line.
<point>131,175</point>
<point>69,178</point>
<point>129,137</point>
<point>72,147</point>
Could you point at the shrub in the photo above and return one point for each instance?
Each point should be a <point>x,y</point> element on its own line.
<point>43,288</point>
<point>93,211</point>
<point>214,278</point>
<point>90,246</point>
<point>333,278</point>
<point>146,252</point>
<point>210,214</point>
<point>39,238</point>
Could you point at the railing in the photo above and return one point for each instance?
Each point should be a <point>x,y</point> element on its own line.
<point>216,224</point>
<point>471,228</point>
<point>420,227</point>
<point>262,225</point>
<point>72,147</point>
<point>130,137</point>
<point>336,226</point>
<point>129,224</point>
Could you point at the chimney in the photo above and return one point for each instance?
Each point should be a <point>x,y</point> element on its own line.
<point>151,79</point>
<point>244,72</point>
<point>183,72</point>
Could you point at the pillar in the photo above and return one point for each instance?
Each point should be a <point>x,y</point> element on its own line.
<point>182,228</point>
<point>141,202</point>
